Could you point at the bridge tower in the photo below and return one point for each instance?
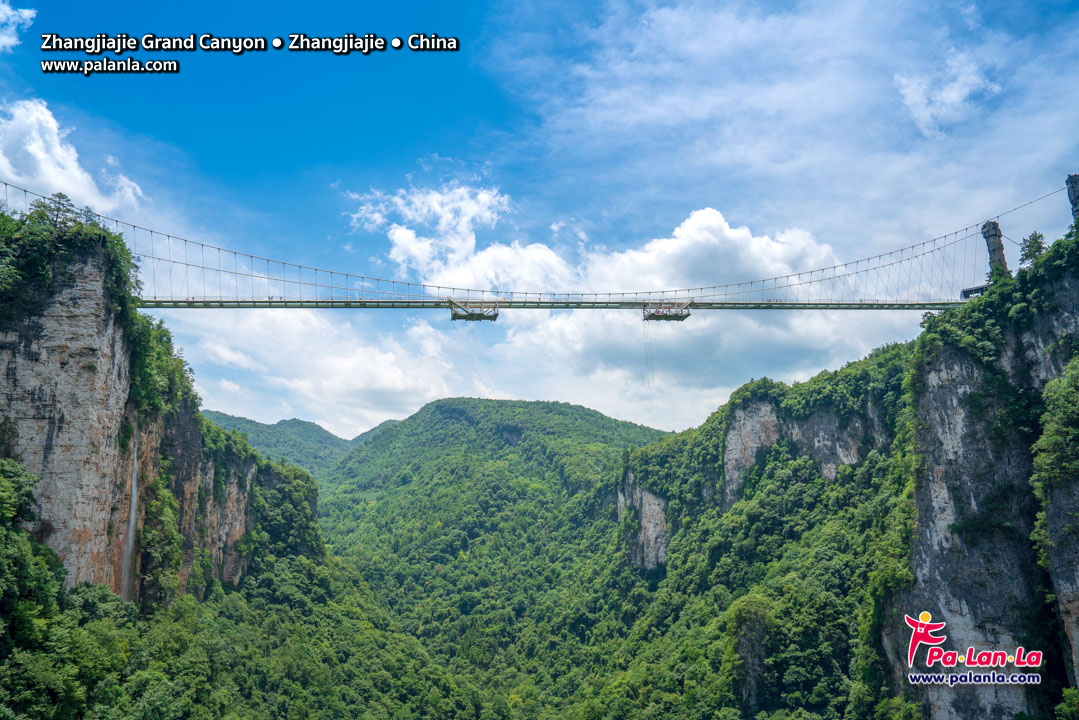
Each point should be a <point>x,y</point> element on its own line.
<point>1073,196</point>
<point>991,233</point>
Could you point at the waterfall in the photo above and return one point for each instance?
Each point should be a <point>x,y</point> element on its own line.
<point>129,541</point>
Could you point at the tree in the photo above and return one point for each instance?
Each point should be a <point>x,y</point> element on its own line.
<point>57,210</point>
<point>1032,247</point>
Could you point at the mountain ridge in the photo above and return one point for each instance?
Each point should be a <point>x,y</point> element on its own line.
<point>301,442</point>
<point>492,424</point>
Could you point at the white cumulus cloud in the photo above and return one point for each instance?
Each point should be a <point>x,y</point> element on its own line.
<point>454,211</point>
<point>36,154</point>
<point>439,244</point>
<point>12,21</point>
<point>601,358</point>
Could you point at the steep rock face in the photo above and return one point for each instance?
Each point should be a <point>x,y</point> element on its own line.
<point>66,393</point>
<point>1062,507</point>
<point>1045,347</point>
<point>65,389</point>
<point>649,549</point>
<point>757,425</point>
<point>979,582</point>
<point>753,426</point>
<point>212,524</point>
<point>974,564</point>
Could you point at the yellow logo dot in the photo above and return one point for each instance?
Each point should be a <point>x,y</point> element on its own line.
<point>962,658</point>
<point>925,616</point>
<point>1011,658</point>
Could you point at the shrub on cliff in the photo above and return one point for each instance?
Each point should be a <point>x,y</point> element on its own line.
<point>38,247</point>
<point>30,574</point>
<point>37,250</point>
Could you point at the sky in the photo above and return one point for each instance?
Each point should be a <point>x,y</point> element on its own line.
<point>564,146</point>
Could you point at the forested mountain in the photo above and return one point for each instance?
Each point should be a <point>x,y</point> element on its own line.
<point>499,545</point>
<point>756,567</point>
<point>298,635</point>
<point>484,526</point>
<point>500,559</point>
<point>574,441</point>
<point>299,442</point>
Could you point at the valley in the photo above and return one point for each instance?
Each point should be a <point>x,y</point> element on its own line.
<point>511,559</point>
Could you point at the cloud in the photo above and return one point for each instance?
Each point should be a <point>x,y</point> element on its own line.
<point>11,22</point>
<point>230,387</point>
<point>438,243</point>
<point>871,123</point>
<point>948,97</point>
<point>453,210</point>
<point>569,225</point>
<point>35,153</point>
<point>971,16</point>
<point>330,367</point>
<point>673,375</point>
<point>600,358</point>
<point>215,351</point>
<point>704,250</point>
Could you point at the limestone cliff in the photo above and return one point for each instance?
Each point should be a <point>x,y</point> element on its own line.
<point>759,424</point>
<point>747,427</point>
<point>65,388</point>
<point>214,498</point>
<point>972,557</point>
<point>974,563</point>
<point>67,396</point>
<point>649,547</point>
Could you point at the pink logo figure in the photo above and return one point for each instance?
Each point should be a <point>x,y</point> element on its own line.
<point>922,634</point>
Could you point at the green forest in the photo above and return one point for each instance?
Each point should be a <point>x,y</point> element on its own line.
<point>299,442</point>
<point>469,561</point>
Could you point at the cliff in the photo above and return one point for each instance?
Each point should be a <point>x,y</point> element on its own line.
<point>822,435</point>
<point>705,468</point>
<point>66,376</point>
<point>649,544</point>
<point>975,536</point>
<point>979,377</point>
<point>74,419</point>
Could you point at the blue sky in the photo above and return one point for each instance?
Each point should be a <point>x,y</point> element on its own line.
<point>619,145</point>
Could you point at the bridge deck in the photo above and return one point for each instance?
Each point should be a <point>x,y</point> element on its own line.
<point>613,304</point>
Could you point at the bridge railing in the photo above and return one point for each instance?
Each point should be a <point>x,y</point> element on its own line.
<point>177,271</point>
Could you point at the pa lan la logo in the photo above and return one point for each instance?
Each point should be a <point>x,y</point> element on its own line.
<point>922,633</point>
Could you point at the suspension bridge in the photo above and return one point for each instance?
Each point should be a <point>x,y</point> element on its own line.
<point>934,274</point>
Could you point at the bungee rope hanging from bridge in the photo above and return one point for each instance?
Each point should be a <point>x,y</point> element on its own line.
<point>931,275</point>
